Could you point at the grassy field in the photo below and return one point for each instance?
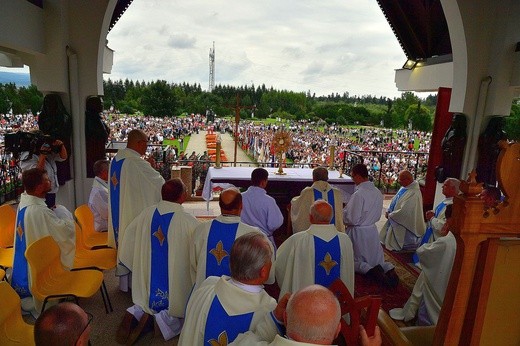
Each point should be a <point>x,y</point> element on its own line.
<point>175,143</point>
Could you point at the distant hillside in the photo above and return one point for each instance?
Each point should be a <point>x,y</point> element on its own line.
<point>20,79</point>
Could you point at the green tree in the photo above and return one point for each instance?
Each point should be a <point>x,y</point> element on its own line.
<point>512,125</point>
<point>420,117</point>
<point>159,99</point>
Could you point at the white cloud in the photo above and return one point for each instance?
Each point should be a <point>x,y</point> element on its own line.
<point>325,47</point>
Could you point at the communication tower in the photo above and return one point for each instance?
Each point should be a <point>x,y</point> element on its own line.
<point>212,68</point>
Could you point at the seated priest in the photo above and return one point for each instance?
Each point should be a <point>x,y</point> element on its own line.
<point>35,220</point>
<point>318,255</point>
<point>435,219</point>
<point>320,189</point>
<point>405,222</point>
<point>436,261</point>
<point>155,250</point>
<point>212,240</point>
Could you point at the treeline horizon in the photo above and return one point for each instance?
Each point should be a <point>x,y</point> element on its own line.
<point>160,98</point>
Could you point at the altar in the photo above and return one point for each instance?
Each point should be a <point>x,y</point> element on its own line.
<point>281,187</point>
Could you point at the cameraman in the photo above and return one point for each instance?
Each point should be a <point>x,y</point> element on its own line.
<point>48,155</point>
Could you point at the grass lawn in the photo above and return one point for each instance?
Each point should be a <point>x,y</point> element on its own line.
<point>175,143</point>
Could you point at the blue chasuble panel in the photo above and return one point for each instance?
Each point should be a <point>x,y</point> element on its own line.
<point>20,276</point>
<point>429,231</point>
<point>115,194</point>
<point>398,195</point>
<point>221,328</point>
<point>220,239</point>
<point>159,284</point>
<point>330,199</point>
<point>327,261</point>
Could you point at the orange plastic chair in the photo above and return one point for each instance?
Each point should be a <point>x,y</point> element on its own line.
<point>7,221</point>
<point>49,280</point>
<point>99,259</point>
<point>13,329</point>
<point>102,259</point>
<point>2,274</point>
<point>91,238</point>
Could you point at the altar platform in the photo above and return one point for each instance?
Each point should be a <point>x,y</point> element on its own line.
<point>283,187</point>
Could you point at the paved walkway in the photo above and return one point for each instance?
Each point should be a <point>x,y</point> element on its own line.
<point>197,144</point>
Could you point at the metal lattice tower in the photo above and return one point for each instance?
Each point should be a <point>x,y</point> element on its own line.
<point>212,68</point>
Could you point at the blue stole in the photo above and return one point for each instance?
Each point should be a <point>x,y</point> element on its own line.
<point>221,328</point>
<point>20,277</point>
<point>330,199</point>
<point>399,194</point>
<point>327,261</point>
<point>159,261</point>
<point>429,231</point>
<point>220,239</point>
<point>115,194</point>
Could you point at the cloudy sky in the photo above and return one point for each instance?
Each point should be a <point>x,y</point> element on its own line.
<point>321,46</point>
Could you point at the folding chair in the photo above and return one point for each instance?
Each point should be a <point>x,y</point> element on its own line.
<point>7,220</point>
<point>100,259</point>
<point>49,280</point>
<point>13,329</point>
<point>91,238</point>
<point>363,310</point>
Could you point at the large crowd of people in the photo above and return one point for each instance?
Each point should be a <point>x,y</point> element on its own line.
<point>164,253</point>
<point>385,151</point>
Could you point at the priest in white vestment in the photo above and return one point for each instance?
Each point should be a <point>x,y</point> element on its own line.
<point>435,219</point>
<point>312,317</point>
<point>155,249</point>
<point>133,186</point>
<point>436,261</point>
<point>34,220</point>
<point>405,225</point>
<point>98,198</point>
<point>318,255</point>
<point>361,213</point>
<point>320,189</point>
<point>212,240</point>
<point>222,307</point>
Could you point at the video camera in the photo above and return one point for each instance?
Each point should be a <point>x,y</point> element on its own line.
<point>17,142</point>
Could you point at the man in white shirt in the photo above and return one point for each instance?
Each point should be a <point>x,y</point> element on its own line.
<point>259,209</point>
<point>320,189</point>
<point>405,225</point>
<point>360,216</point>
<point>98,199</point>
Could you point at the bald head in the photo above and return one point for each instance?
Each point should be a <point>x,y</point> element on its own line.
<point>405,178</point>
<point>321,212</point>
<point>138,141</point>
<point>62,324</point>
<point>230,202</point>
<point>313,316</point>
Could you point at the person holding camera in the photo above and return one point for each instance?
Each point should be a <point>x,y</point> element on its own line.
<point>46,158</point>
